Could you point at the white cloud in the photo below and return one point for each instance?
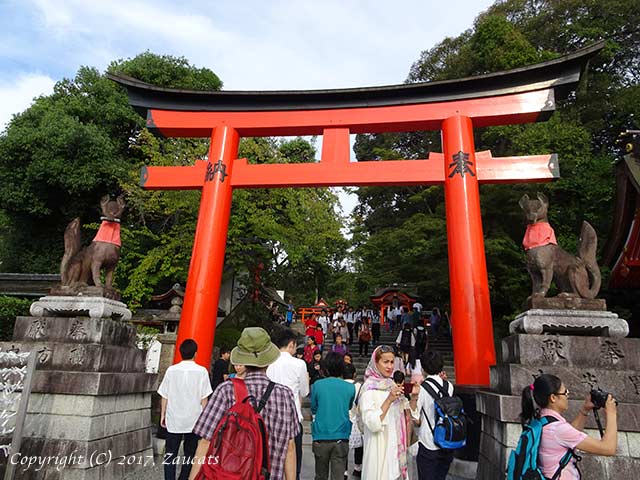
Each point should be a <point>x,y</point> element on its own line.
<point>18,94</point>
<point>258,45</point>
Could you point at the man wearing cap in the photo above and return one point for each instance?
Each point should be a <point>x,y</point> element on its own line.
<point>256,352</point>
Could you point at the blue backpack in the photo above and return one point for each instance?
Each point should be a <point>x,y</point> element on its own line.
<point>523,461</point>
<point>450,429</point>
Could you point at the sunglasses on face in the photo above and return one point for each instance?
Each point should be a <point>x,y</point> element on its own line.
<point>385,349</point>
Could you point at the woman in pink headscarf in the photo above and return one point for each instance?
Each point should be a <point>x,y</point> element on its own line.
<point>385,429</point>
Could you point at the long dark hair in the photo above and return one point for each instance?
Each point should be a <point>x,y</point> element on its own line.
<point>543,387</point>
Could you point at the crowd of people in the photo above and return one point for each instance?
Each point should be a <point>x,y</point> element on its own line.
<point>387,420</point>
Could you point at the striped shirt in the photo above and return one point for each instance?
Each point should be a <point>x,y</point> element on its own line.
<point>279,415</point>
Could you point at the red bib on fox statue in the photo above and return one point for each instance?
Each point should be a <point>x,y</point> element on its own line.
<point>538,234</point>
<point>108,232</point>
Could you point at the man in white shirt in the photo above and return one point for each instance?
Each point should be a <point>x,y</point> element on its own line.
<point>349,317</point>
<point>291,372</point>
<point>433,462</point>
<point>183,391</point>
<point>324,321</point>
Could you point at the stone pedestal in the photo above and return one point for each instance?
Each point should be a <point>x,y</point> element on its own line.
<point>583,363</point>
<point>91,398</point>
<point>94,307</point>
<point>570,322</point>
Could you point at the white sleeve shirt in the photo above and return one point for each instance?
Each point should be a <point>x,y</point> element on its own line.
<point>184,385</point>
<point>291,372</point>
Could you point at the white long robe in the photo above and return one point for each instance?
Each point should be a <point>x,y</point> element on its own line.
<point>380,462</point>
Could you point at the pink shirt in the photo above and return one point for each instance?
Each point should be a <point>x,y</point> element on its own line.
<point>557,437</point>
<point>538,235</point>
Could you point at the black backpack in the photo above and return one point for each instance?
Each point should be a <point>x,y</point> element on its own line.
<point>450,428</point>
<point>421,335</point>
<point>405,339</point>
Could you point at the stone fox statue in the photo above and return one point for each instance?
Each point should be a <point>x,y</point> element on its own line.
<point>546,260</point>
<point>82,266</point>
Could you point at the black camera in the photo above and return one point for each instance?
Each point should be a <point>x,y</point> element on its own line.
<point>599,397</point>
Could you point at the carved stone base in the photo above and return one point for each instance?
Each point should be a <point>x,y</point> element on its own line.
<point>91,398</point>
<point>84,291</point>
<point>95,307</point>
<point>566,302</point>
<point>574,322</point>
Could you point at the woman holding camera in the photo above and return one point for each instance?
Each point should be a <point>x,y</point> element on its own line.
<point>383,418</point>
<point>548,396</point>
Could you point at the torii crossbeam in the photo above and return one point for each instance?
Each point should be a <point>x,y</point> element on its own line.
<point>454,107</point>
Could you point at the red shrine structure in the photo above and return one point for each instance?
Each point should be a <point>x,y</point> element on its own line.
<point>454,107</point>
<point>306,311</point>
<point>391,296</point>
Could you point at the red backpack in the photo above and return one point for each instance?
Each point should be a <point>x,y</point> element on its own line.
<point>239,447</point>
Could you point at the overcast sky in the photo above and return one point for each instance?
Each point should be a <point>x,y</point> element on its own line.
<point>250,45</point>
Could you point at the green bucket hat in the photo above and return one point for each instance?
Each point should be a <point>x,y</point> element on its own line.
<point>254,349</point>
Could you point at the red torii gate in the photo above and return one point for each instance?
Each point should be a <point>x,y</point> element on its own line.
<point>454,107</point>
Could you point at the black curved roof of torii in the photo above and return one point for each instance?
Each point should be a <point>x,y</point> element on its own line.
<point>561,73</point>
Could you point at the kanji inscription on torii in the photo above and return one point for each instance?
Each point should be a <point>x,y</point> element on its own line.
<point>461,165</point>
<point>212,170</point>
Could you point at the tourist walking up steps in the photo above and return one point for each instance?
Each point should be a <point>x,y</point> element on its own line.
<point>391,318</point>
<point>316,368</point>
<point>331,400</point>
<point>364,336</point>
<point>435,321</point>
<point>375,329</point>
<point>340,347</point>
<point>385,429</point>
<point>310,349</point>
<point>183,391</point>
<point>324,321</point>
<point>288,370</point>
<point>350,321</point>
<point>256,352</point>
<point>406,342</point>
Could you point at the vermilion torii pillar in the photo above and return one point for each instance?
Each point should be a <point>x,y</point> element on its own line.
<point>453,107</point>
